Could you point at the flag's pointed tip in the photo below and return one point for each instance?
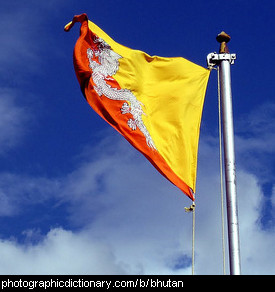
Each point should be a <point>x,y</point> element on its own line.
<point>192,197</point>
<point>77,18</point>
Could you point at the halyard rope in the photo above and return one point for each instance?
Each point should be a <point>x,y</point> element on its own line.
<point>192,209</point>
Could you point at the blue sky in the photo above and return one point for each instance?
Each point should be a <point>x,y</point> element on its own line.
<point>78,199</point>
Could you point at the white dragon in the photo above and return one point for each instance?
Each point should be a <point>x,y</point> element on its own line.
<point>108,66</point>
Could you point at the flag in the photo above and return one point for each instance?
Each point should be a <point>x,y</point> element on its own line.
<point>154,102</point>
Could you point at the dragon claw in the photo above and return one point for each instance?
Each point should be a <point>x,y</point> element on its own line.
<point>125,108</point>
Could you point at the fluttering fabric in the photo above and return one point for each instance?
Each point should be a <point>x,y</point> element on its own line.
<point>154,102</point>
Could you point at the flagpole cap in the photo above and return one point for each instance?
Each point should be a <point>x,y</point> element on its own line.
<point>223,38</point>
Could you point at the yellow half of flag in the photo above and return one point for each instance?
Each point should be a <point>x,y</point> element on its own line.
<point>154,102</point>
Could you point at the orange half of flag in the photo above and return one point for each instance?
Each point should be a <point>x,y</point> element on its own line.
<point>154,102</point>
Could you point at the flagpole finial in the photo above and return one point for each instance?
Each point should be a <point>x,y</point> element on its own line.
<point>223,38</point>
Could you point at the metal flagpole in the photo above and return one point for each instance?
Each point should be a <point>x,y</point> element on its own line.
<point>224,59</point>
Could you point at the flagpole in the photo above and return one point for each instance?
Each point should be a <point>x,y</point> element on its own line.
<point>224,59</point>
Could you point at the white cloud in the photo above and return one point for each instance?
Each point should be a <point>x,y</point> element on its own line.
<point>132,206</point>
<point>125,209</point>
<point>257,244</point>
<point>60,252</point>
<point>115,200</point>
<point>255,141</point>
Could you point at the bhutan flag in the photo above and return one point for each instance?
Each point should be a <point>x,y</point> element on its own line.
<point>154,102</point>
